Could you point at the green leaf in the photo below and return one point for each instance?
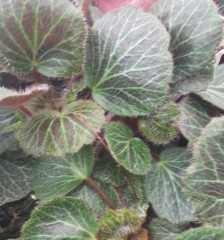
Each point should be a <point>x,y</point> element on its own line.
<point>161,229</point>
<point>86,193</point>
<point>107,171</point>
<point>15,179</point>
<point>196,31</point>
<point>43,35</point>
<point>128,65</point>
<point>214,92</point>
<point>55,133</point>
<point>8,120</point>
<point>160,126</point>
<point>118,184</point>
<point>195,115</point>
<point>205,178</point>
<point>62,218</point>
<point>8,142</point>
<point>131,152</point>
<point>202,233</point>
<point>57,176</point>
<point>164,186</point>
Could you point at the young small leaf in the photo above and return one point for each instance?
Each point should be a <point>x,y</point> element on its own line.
<point>196,31</point>
<point>119,224</point>
<point>205,178</point>
<point>195,115</point>
<point>128,65</point>
<point>214,92</point>
<point>55,133</point>
<point>129,151</point>
<point>43,35</point>
<point>164,186</point>
<point>57,176</point>
<point>15,179</point>
<point>160,127</point>
<point>62,218</point>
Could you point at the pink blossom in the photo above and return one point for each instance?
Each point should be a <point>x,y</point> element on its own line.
<point>108,5</point>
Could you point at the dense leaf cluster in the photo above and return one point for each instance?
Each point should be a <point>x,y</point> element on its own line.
<point>113,122</point>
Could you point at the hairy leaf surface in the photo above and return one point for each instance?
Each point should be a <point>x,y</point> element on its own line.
<point>196,31</point>
<point>43,35</point>
<point>62,218</point>
<point>56,133</point>
<point>128,65</point>
<point>164,186</point>
<point>205,178</point>
<point>129,151</point>
<point>57,176</point>
<point>160,126</point>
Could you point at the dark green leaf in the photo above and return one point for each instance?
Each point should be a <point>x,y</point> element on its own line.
<point>86,193</point>
<point>8,141</point>
<point>164,186</point>
<point>58,176</point>
<point>60,219</point>
<point>55,133</point>
<point>195,115</point>
<point>43,35</point>
<point>205,178</point>
<point>15,179</point>
<point>214,92</point>
<point>203,233</point>
<point>129,151</point>
<point>161,229</point>
<point>107,171</point>
<point>128,65</point>
<point>196,31</point>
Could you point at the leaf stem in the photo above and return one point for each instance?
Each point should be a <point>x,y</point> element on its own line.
<point>25,111</point>
<point>104,144</point>
<point>95,134</point>
<point>120,194</point>
<point>37,76</point>
<point>101,193</point>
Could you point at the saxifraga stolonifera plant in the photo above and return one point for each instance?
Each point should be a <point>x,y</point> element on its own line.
<point>113,126</point>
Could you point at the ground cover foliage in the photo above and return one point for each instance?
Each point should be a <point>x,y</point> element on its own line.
<point>111,120</point>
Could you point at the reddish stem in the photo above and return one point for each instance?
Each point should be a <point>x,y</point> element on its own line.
<point>95,134</point>
<point>25,111</point>
<point>101,193</point>
<point>37,76</point>
<point>120,194</point>
<point>104,144</point>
